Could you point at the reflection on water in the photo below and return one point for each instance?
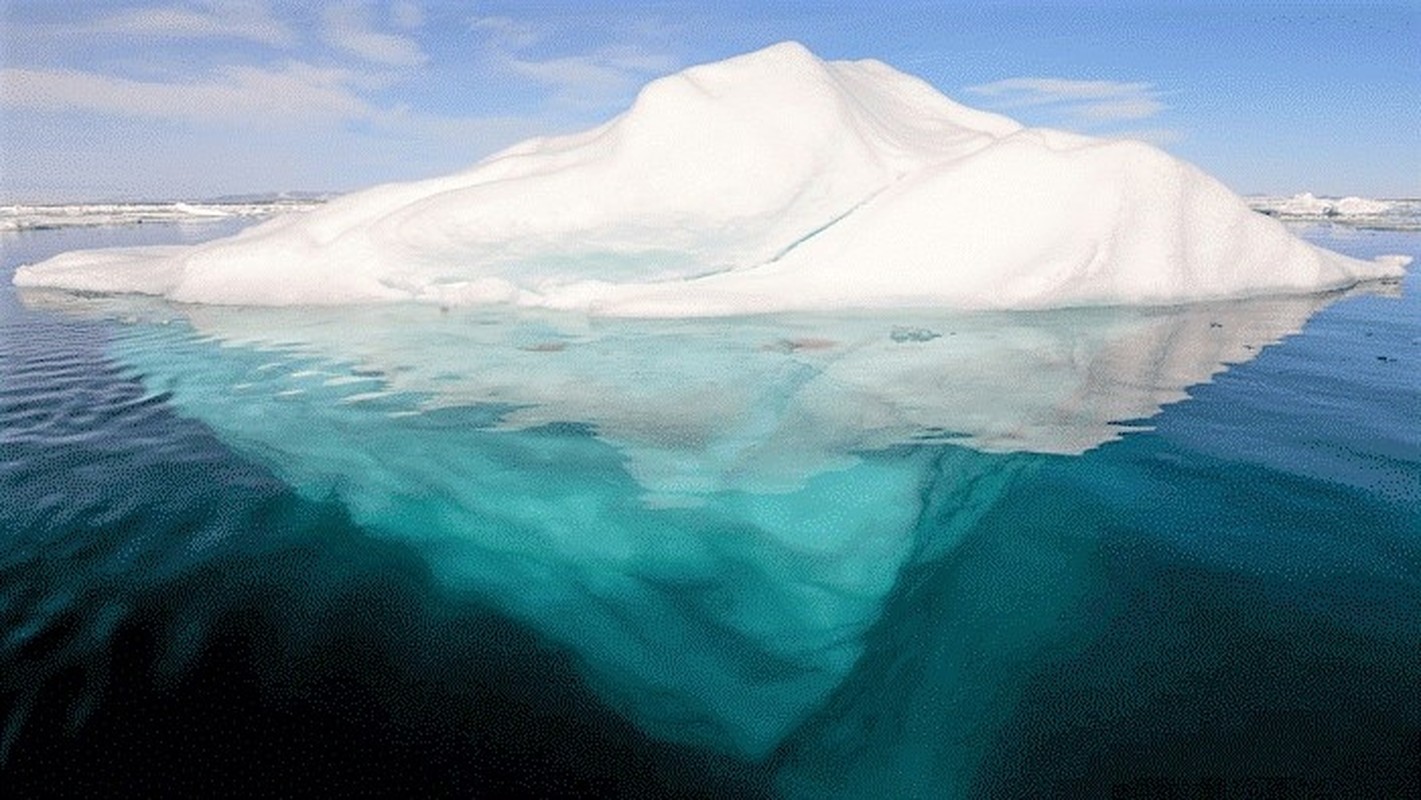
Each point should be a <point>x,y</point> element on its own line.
<point>871,554</point>
<point>755,403</point>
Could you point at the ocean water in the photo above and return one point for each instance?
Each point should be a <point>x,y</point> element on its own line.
<point>1163,552</point>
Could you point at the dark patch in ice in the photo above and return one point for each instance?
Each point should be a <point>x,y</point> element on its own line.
<point>904,333</point>
<point>799,343</point>
<point>544,347</point>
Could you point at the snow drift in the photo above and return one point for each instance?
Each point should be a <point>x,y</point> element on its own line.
<point>771,181</point>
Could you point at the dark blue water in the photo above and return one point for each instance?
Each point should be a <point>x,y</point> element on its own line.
<point>1142,554</point>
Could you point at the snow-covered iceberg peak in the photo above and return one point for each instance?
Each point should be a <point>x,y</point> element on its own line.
<point>770,181</point>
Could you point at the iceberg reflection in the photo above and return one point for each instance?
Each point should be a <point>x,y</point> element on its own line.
<point>757,403</point>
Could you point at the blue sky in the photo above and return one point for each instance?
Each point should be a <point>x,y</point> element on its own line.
<point>198,98</point>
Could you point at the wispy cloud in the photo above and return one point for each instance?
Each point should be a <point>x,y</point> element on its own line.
<point>262,92</point>
<point>407,15</point>
<point>589,78</point>
<point>595,75</point>
<point>1159,137</point>
<point>350,27</point>
<point>294,93</point>
<point>1082,102</point>
<point>249,20</point>
<point>506,33</point>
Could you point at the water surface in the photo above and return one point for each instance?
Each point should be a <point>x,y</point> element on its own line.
<point>1074,552</point>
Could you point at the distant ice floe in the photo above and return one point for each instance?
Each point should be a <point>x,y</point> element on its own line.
<point>88,215</point>
<point>769,182</point>
<point>1360,212</point>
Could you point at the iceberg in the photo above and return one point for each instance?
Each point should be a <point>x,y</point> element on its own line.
<point>773,181</point>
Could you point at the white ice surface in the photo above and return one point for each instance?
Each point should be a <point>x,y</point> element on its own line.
<point>772,181</point>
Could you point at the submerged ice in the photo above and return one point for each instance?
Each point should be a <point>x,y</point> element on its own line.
<point>714,550</point>
<point>773,181</point>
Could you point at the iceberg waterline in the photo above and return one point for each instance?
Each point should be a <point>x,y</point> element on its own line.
<point>1368,212</point>
<point>773,181</point>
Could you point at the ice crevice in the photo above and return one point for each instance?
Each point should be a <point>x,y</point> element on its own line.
<point>827,225</point>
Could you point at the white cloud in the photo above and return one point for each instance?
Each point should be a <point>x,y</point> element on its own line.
<point>1082,102</point>
<point>1034,91</point>
<point>237,19</point>
<point>348,26</point>
<point>506,33</point>
<point>1159,137</point>
<point>583,79</point>
<point>407,15</point>
<point>295,93</point>
<point>130,157</point>
<point>595,75</point>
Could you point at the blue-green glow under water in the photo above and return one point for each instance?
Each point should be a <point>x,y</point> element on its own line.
<point>1130,551</point>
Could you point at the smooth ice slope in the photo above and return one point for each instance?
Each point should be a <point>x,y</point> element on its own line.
<point>771,181</point>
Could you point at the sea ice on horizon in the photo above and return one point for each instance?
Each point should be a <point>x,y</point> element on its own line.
<point>1308,205</point>
<point>1402,214</point>
<point>90,215</point>
<point>772,181</point>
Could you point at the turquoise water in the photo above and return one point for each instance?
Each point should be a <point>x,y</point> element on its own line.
<point>1102,551</point>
